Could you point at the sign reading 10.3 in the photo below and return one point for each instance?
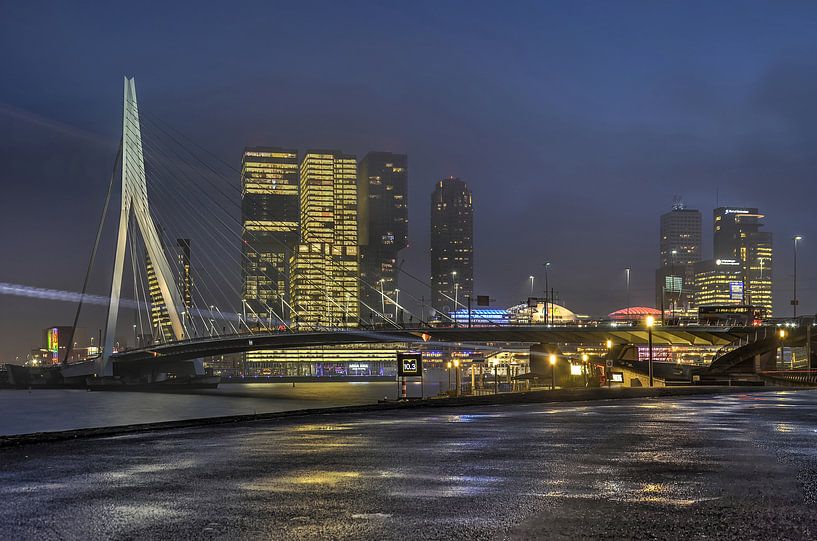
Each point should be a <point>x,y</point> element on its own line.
<point>409,364</point>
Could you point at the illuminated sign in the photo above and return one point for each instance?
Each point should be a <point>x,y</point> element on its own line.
<point>727,262</point>
<point>736,291</point>
<point>617,377</point>
<point>575,370</point>
<point>409,364</point>
<point>736,211</point>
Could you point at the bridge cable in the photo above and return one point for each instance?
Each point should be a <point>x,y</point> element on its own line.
<point>283,300</point>
<point>91,260</point>
<point>360,320</point>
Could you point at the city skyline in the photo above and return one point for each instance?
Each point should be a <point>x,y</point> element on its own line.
<point>562,171</point>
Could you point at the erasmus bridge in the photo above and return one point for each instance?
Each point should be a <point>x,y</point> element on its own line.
<point>167,187</point>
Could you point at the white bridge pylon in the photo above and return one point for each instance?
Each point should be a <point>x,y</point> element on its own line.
<point>135,199</point>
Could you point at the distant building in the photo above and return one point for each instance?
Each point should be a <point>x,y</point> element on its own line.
<point>383,227</point>
<point>270,210</point>
<point>55,343</point>
<point>679,250</point>
<point>738,236</point>
<point>452,244</point>
<point>325,269</point>
<point>160,328</point>
<point>719,282</point>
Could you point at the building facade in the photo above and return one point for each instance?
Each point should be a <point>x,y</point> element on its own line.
<point>452,245</point>
<point>383,230</point>
<point>738,236</point>
<point>325,267</point>
<point>679,249</point>
<point>719,282</point>
<point>160,328</point>
<point>270,209</point>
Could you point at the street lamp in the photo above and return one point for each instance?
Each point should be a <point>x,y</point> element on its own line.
<point>650,321</point>
<point>448,367</point>
<point>531,285</point>
<point>382,299</point>
<point>456,377</point>
<point>552,360</point>
<point>547,292</point>
<point>794,301</point>
<point>627,273</point>
<point>782,334</point>
<point>585,358</point>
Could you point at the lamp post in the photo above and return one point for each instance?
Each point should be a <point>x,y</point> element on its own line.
<point>531,285</point>
<point>673,300</point>
<point>584,367</point>
<point>650,322</point>
<point>382,299</point>
<point>782,334</point>
<point>552,360</point>
<point>456,377</point>
<point>627,274</point>
<point>456,302</point>
<point>794,301</point>
<point>547,264</point>
<point>448,369</point>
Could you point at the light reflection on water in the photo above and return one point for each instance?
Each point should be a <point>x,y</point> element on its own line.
<point>46,410</point>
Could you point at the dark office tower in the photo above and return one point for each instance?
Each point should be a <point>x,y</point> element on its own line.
<point>679,249</point>
<point>270,211</point>
<point>383,226</point>
<point>160,328</point>
<point>183,275</point>
<point>738,237</point>
<point>452,244</point>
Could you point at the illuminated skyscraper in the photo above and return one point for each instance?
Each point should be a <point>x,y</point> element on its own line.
<point>160,328</point>
<point>325,268</point>
<point>269,213</point>
<point>679,250</point>
<point>452,244</point>
<point>719,282</point>
<point>737,236</point>
<point>383,211</point>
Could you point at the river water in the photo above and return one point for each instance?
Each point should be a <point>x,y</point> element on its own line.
<point>23,411</point>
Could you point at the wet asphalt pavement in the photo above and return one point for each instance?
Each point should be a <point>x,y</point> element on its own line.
<point>741,466</point>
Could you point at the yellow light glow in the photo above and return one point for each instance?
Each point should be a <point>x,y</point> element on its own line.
<point>650,321</point>
<point>609,344</point>
<point>575,370</point>
<point>448,364</point>
<point>456,363</point>
<point>584,357</point>
<point>782,333</point>
<point>552,358</point>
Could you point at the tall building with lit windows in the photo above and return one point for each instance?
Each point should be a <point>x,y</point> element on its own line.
<point>325,267</point>
<point>270,210</point>
<point>452,244</point>
<point>738,236</point>
<point>679,249</point>
<point>719,282</point>
<point>383,230</point>
<point>160,328</point>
